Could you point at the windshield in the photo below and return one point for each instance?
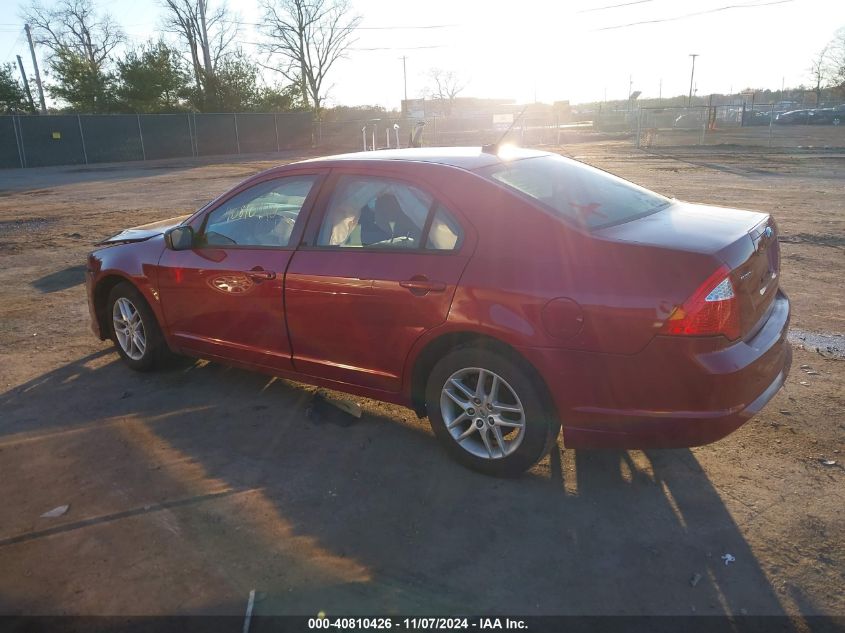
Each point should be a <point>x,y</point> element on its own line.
<point>582,194</point>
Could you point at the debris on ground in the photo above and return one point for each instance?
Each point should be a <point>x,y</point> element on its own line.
<point>828,462</point>
<point>324,407</point>
<point>728,558</point>
<point>55,512</point>
<point>805,383</point>
<point>828,345</point>
<point>696,578</point>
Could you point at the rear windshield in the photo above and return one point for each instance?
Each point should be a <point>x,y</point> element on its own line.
<point>587,196</point>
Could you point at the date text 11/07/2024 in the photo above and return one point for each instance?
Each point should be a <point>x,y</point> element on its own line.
<point>423,623</point>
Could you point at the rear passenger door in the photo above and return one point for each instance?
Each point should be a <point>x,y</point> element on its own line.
<point>378,267</point>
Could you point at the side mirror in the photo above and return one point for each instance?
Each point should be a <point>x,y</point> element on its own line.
<point>179,238</point>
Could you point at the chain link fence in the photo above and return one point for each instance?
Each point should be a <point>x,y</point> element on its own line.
<point>764,125</point>
<point>41,141</point>
<point>392,132</point>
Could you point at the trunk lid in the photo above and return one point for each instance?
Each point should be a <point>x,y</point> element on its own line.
<point>744,241</point>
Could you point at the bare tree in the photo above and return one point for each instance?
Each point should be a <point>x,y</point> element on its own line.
<point>820,71</point>
<point>309,36</point>
<point>74,26</point>
<point>837,60</point>
<point>80,40</point>
<point>446,87</point>
<point>209,37</point>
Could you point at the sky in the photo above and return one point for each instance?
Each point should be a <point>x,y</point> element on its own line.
<point>578,50</point>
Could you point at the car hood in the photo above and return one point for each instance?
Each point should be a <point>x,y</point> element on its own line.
<point>143,232</point>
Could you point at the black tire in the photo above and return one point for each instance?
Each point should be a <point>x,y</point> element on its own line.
<point>541,426</point>
<point>156,350</point>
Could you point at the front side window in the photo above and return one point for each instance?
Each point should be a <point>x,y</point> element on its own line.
<point>367,212</point>
<point>263,215</point>
<point>582,194</point>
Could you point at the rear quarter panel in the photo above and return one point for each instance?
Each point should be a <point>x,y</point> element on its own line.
<point>526,257</point>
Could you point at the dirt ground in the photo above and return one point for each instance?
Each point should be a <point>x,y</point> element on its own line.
<point>191,487</point>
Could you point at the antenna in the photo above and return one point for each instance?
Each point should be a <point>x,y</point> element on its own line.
<point>493,148</point>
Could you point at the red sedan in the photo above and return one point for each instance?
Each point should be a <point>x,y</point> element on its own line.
<point>501,292</point>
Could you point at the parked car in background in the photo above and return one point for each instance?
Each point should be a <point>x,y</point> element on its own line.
<point>756,117</point>
<point>826,116</point>
<point>793,117</point>
<point>502,292</point>
<point>690,120</point>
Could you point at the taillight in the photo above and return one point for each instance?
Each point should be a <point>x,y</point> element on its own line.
<point>713,309</point>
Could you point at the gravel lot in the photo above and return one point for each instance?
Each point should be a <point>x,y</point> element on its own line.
<point>189,488</point>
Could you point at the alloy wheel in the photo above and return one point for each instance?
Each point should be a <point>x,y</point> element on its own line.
<point>129,328</point>
<point>482,413</point>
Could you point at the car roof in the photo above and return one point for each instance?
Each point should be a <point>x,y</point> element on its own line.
<point>469,158</point>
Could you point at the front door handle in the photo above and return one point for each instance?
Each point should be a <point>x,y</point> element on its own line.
<point>259,274</point>
<point>420,285</point>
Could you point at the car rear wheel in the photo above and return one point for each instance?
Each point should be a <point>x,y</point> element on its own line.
<point>488,413</point>
<point>134,329</point>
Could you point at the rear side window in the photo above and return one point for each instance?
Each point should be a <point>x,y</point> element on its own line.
<point>577,192</point>
<point>445,233</point>
<point>367,212</point>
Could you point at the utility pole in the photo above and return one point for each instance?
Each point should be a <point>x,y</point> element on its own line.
<point>26,84</point>
<point>405,78</point>
<point>660,90</point>
<point>206,53</point>
<point>37,74</point>
<point>692,75</point>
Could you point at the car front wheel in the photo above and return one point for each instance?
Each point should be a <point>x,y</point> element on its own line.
<point>488,413</point>
<point>134,329</point>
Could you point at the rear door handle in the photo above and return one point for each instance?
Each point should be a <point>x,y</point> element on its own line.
<point>423,286</point>
<point>259,274</point>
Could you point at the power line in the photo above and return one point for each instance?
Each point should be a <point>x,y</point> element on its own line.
<point>396,48</point>
<point>406,28</point>
<point>374,48</point>
<point>366,28</point>
<point>690,15</point>
<point>614,6</point>
<point>14,45</point>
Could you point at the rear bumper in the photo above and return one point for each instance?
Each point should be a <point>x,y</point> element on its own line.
<point>675,393</point>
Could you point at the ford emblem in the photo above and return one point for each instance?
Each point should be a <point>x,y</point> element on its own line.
<point>768,232</point>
